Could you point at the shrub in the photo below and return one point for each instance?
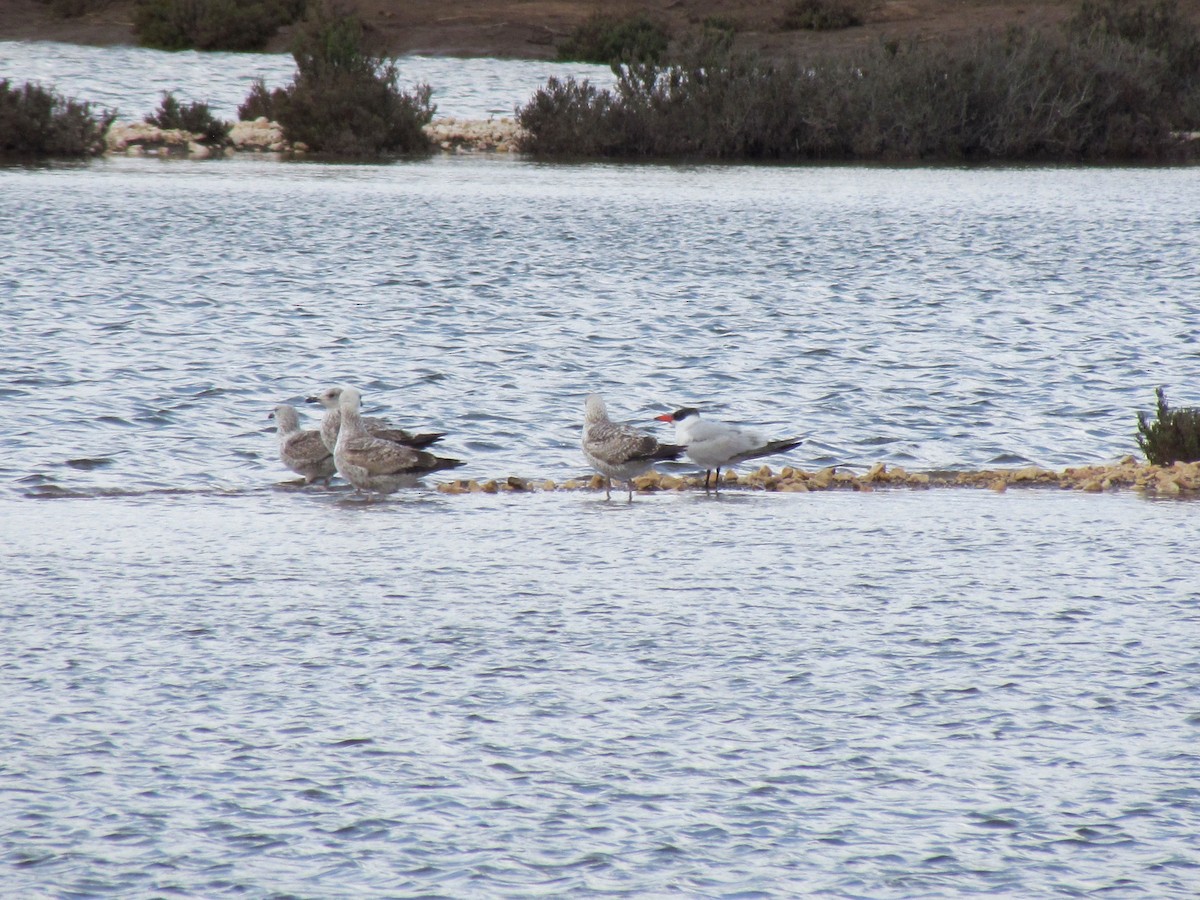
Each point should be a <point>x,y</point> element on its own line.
<point>607,39</point>
<point>36,122</point>
<point>194,118</point>
<point>1173,436</point>
<point>344,101</point>
<point>212,24</point>
<point>1016,95</point>
<point>819,15</point>
<point>1159,29</point>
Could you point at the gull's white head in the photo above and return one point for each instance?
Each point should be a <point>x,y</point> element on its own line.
<point>349,400</point>
<point>286,418</point>
<point>328,398</point>
<point>594,409</point>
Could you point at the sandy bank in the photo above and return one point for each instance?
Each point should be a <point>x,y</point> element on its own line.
<point>1181,479</point>
<point>451,135</point>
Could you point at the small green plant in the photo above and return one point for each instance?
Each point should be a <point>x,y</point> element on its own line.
<point>608,39</point>
<point>236,25</point>
<point>192,117</point>
<point>37,122</point>
<point>819,15</point>
<point>343,101</point>
<point>1174,436</point>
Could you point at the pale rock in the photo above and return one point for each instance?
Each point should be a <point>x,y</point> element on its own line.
<point>1029,473</point>
<point>647,482</point>
<point>123,135</point>
<point>823,478</point>
<point>468,135</point>
<point>259,134</point>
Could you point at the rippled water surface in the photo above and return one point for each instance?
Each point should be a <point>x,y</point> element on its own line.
<point>131,80</point>
<point>213,684</point>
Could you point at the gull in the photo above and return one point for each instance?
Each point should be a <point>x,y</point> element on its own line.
<point>301,451</point>
<point>619,451</point>
<point>717,444</point>
<point>374,464</point>
<point>332,420</point>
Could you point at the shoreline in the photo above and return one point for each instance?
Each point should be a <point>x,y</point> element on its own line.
<point>450,134</point>
<point>1177,480</point>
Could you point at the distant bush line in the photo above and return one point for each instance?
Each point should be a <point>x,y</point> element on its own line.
<point>234,25</point>
<point>819,15</point>
<point>72,9</point>
<point>610,39</point>
<point>36,122</point>
<point>1116,84</point>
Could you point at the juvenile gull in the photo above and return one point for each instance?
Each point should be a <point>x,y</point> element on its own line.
<point>619,451</point>
<point>373,464</point>
<point>718,444</point>
<point>301,451</point>
<point>380,428</point>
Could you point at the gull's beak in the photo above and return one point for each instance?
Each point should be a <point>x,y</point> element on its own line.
<point>665,417</point>
<point>311,400</point>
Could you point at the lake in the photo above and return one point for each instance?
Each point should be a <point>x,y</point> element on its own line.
<point>213,683</point>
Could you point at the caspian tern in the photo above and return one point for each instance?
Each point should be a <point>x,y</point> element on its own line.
<point>715,445</point>
<point>373,464</point>
<point>301,451</point>
<point>380,428</point>
<point>619,451</point>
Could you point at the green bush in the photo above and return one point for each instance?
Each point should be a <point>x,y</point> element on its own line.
<point>608,39</point>
<point>819,15</point>
<point>194,118</point>
<point>1018,95</point>
<point>36,122</point>
<point>1173,436</point>
<point>237,25</point>
<point>343,100</point>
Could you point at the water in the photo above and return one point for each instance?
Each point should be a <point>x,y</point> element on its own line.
<point>212,684</point>
<point>132,80</point>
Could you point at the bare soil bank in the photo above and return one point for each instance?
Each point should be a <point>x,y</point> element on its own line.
<point>530,29</point>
